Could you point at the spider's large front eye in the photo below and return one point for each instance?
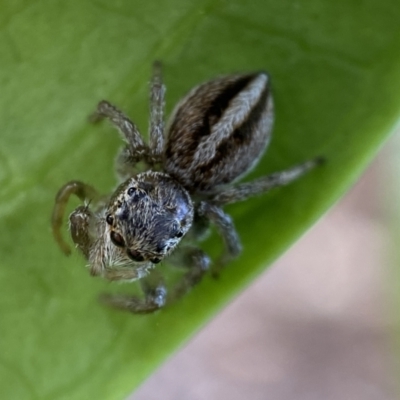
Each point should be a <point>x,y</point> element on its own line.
<point>134,255</point>
<point>117,239</point>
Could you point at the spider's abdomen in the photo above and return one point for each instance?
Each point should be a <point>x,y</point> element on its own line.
<point>219,131</point>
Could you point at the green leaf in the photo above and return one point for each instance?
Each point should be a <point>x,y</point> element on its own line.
<point>336,77</point>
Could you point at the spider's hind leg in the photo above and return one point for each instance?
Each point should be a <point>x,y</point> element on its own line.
<point>245,190</point>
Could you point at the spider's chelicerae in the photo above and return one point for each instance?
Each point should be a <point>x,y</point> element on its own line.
<point>217,133</point>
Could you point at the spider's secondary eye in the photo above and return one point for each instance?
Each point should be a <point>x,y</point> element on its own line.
<point>109,219</point>
<point>155,260</point>
<point>135,193</point>
<point>117,239</point>
<point>134,255</point>
<point>176,230</point>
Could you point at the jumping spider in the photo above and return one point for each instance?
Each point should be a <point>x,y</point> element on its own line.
<point>217,134</point>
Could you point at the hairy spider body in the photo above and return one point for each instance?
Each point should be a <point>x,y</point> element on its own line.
<point>218,132</point>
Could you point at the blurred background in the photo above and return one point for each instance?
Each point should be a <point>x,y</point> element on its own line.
<point>316,325</point>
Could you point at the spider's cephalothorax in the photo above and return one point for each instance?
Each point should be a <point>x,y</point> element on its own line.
<point>147,216</point>
<point>217,134</point>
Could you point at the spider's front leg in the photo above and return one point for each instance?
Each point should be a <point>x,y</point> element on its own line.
<point>157,105</point>
<point>196,264</point>
<point>194,260</point>
<point>81,224</point>
<point>155,297</point>
<point>128,157</point>
<point>224,224</point>
<point>80,217</point>
<point>137,149</point>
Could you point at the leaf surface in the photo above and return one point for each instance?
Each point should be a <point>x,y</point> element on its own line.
<point>335,68</point>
